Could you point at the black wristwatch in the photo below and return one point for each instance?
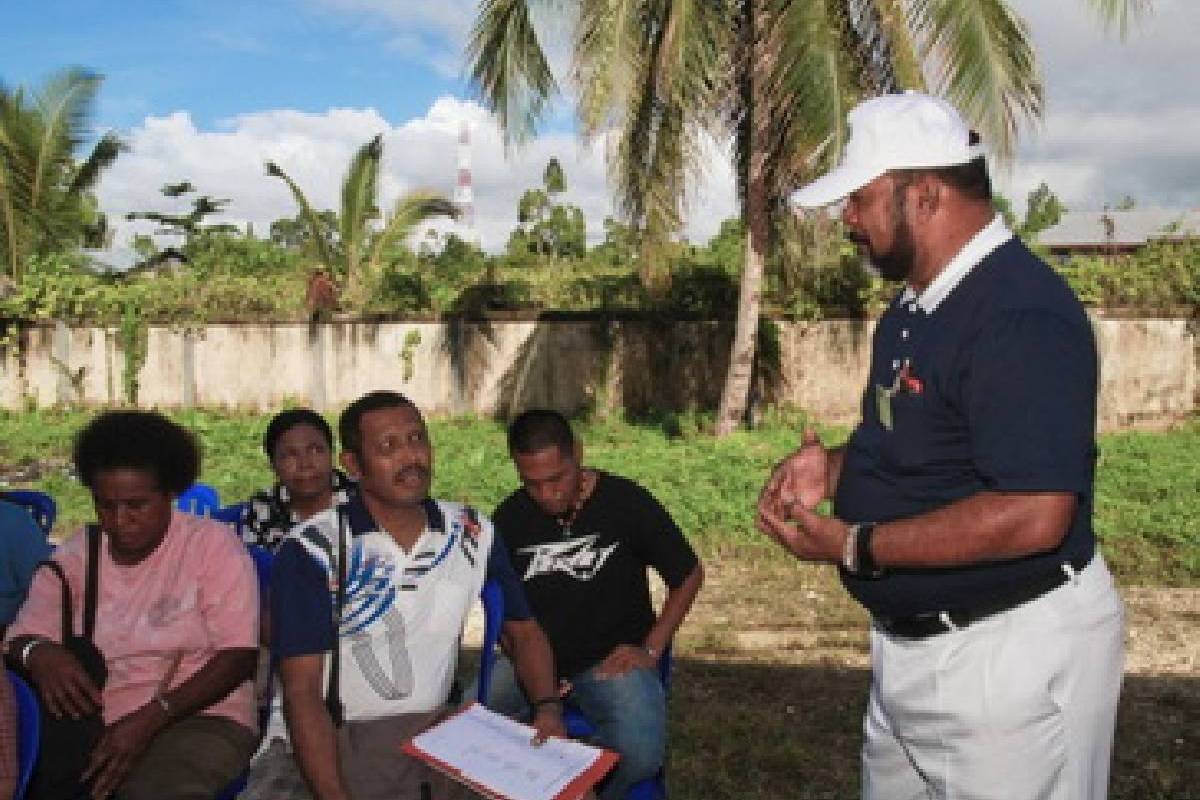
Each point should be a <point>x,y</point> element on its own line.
<point>865,562</point>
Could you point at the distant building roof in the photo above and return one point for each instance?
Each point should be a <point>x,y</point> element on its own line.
<point>1129,228</point>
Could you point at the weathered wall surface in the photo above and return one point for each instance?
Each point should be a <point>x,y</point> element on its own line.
<point>1148,366</point>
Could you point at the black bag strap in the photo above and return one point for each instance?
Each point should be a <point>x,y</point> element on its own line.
<point>90,588</point>
<point>333,692</point>
<point>67,627</point>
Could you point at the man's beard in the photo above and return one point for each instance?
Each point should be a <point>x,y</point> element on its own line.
<point>897,263</point>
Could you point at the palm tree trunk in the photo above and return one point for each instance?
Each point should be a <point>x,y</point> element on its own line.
<point>10,232</point>
<point>736,392</point>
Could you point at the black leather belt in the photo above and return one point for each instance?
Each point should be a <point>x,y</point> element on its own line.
<point>921,626</point>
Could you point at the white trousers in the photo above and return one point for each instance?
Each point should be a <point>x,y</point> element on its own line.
<point>1019,706</point>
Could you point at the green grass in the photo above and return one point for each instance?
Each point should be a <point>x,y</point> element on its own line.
<point>1147,505</point>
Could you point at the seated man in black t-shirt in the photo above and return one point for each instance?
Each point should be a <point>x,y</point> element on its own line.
<point>581,540</point>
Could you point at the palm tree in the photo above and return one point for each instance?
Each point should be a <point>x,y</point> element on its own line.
<point>45,201</point>
<point>774,77</point>
<point>357,251</point>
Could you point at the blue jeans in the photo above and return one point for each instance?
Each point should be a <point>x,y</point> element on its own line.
<point>629,713</point>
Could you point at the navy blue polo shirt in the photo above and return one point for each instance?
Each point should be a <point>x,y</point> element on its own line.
<point>999,394</point>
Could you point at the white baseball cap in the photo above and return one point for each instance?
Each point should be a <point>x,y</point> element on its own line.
<point>894,131</point>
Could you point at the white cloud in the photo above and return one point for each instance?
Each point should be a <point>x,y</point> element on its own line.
<point>1121,116</point>
<point>315,149</point>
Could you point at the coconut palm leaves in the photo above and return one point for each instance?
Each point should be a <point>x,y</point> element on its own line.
<point>774,78</point>
<point>356,237</point>
<point>44,203</point>
<point>410,211</point>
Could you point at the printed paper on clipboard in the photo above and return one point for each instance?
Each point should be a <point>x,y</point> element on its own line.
<point>494,756</point>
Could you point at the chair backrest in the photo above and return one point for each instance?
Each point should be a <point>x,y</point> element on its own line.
<point>29,731</point>
<point>40,505</point>
<point>493,618</point>
<point>231,515</point>
<point>199,499</point>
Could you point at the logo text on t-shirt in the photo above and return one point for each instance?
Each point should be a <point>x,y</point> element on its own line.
<point>580,558</point>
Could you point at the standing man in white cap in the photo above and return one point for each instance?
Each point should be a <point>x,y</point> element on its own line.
<point>962,502</point>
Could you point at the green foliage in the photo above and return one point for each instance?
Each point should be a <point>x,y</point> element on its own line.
<point>1163,277</point>
<point>545,227</point>
<point>1148,484</point>
<point>553,177</point>
<point>295,233</point>
<point>411,341</point>
<point>227,279</point>
<point>1043,210</point>
<point>1146,487</point>
<point>232,277</point>
<point>817,273</point>
<point>1004,208</point>
<point>189,226</point>
<point>133,338</point>
<point>45,202</point>
<point>357,254</point>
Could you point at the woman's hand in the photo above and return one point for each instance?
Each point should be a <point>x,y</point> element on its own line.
<point>64,685</point>
<point>120,746</point>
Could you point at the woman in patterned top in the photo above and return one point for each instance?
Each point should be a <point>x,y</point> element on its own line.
<point>299,444</point>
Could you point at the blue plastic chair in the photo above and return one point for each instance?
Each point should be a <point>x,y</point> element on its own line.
<point>40,506</point>
<point>231,515</point>
<point>580,727</point>
<point>29,731</point>
<point>199,499</point>
<point>493,619</point>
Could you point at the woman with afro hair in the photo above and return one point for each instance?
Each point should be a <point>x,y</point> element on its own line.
<point>176,622</point>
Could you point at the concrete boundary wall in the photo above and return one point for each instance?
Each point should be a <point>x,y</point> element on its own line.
<point>1148,373</point>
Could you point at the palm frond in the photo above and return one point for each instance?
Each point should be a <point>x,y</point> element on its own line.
<point>676,61</point>
<point>508,66</point>
<point>892,23</point>
<point>316,231</point>
<point>868,40</point>
<point>410,211</point>
<point>64,104</point>
<point>9,101</point>
<point>602,35</point>
<point>8,227</point>
<point>1121,14</point>
<point>359,192</point>
<point>981,58</point>
<point>811,84</point>
<point>101,158</point>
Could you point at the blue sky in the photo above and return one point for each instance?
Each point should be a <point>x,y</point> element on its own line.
<point>218,58</point>
<point>209,89</point>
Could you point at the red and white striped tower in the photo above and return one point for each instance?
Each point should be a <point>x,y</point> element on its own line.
<point>464,194</point>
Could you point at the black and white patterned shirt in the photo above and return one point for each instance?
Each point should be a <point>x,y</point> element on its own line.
<point>268,515</point>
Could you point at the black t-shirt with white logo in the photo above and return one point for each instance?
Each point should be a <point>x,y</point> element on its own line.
<point>587,584</point>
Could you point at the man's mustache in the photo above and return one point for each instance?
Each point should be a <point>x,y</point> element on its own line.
<point>414,471</point>
<point>857,238</point>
